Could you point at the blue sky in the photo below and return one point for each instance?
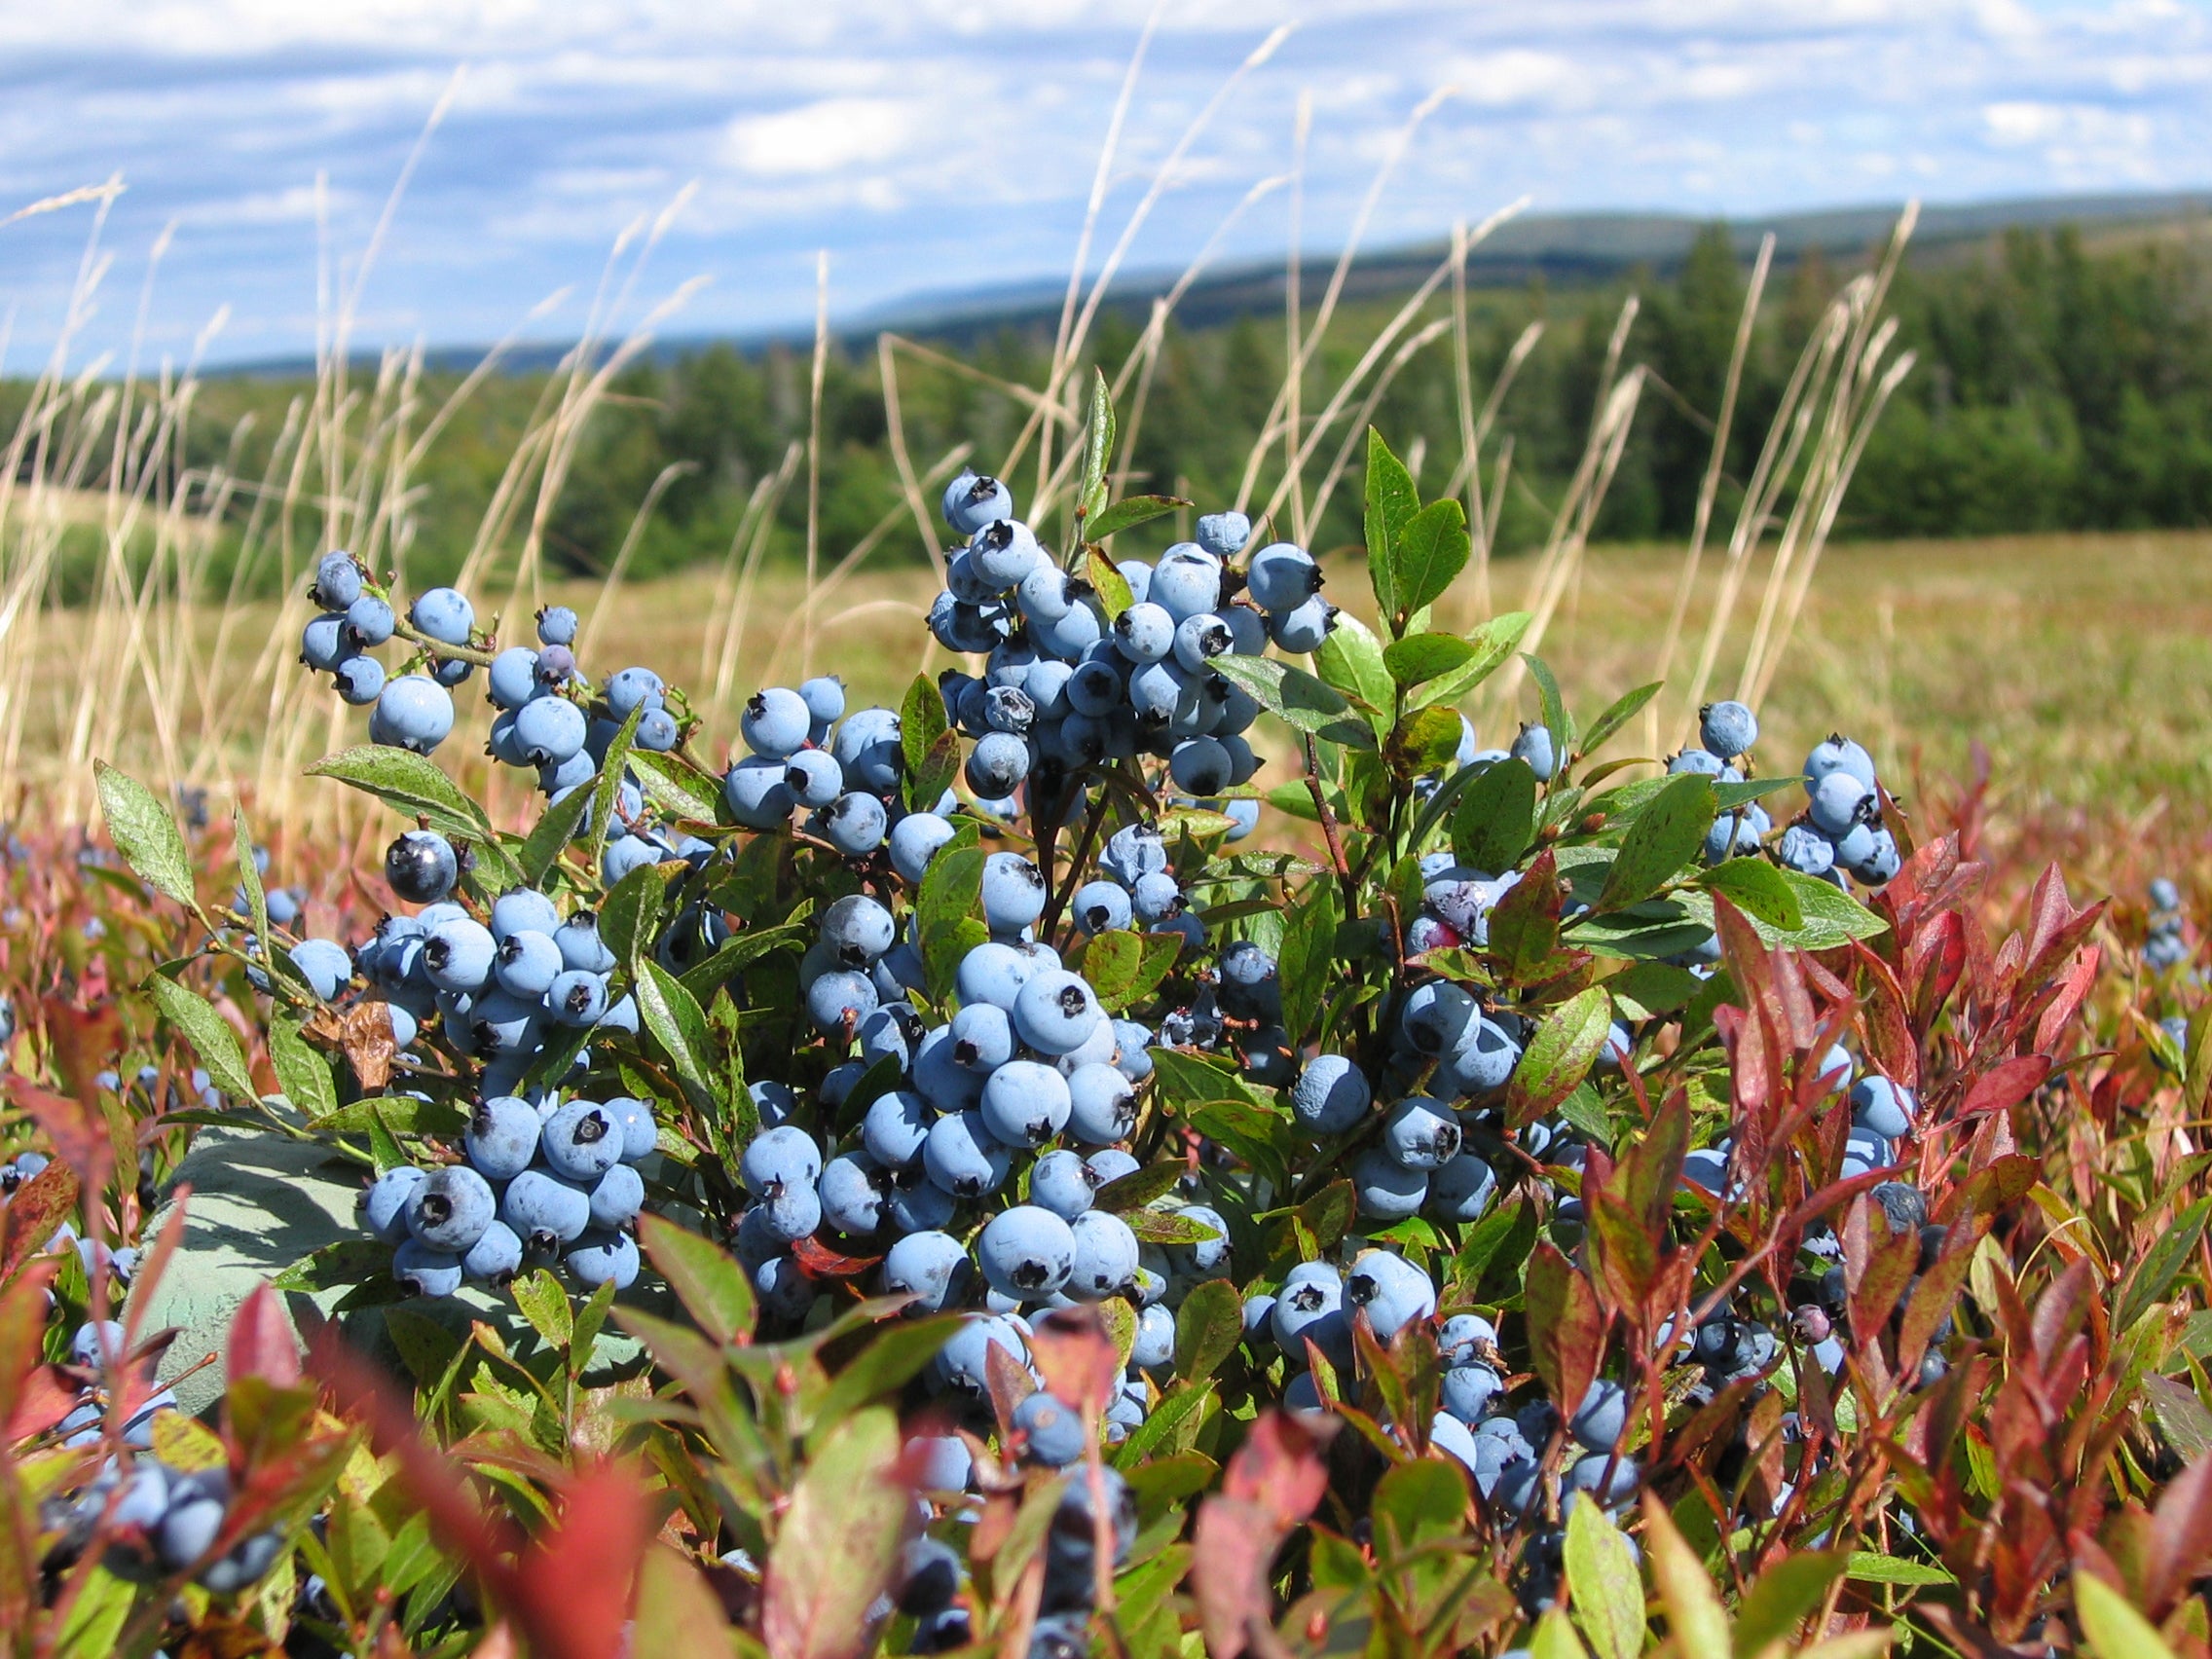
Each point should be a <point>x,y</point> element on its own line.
<point>942,144</point>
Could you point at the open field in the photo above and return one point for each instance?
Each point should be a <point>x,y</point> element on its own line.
<point>2083,664</point>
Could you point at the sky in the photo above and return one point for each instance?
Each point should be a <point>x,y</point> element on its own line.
<point>695,156</point>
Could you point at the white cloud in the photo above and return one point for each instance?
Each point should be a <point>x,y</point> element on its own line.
<point>934,144</point>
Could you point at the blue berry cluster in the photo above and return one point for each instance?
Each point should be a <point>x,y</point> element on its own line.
<point>2165,945</point>
<point>553,1180</point>
<point>1068,688</point>
<point>1840,833</point>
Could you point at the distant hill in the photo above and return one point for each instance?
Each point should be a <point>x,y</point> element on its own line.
<point>1566,250</point>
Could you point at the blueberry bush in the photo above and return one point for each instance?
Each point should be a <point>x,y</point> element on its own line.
<point>1162,1143</point>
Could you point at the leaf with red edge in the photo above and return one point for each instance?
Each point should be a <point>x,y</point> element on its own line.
<point>2067,997</point>
<point>1076,1356</point>
<point>261,1341</point>
<point>41,1399</point>
<point>2006,1084</point>
<point>1272,1483</point>
<point>816,1261</point>
<point>83,1041</point>
<point>838,1542</point>
<point>2180,1539</point>
<point>1566,1331</point>
<point>577,1579</point>
<point>78,1131</point>
<point>28,1219</point>
<point>1890,1041</point>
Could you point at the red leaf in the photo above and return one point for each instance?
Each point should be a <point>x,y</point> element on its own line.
<point>1076,1356</point>
<point>83,1041</point>
<point>576,1584</point>
<point>1272,1483</point>
<point>262,1343</point>
<point>2072,989</point>
<point>28,1219</point>
<point>78,1131</point>
<point>816,1261</point>
<point>2006,1084</point>
<point>1567,1330</point>
<point>2182,1537</point>
<point>42,1399</point>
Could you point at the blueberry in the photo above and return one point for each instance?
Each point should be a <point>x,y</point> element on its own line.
<point>834,997</point>
<point>443,614</point>
<point>915,841</point>
<point>775,723</point>
<point>1835,801</point>
<point>385,1204</point>
<point>1282,577</point>
<point>1061,1181</point>
<point>1390,1290</point>
<point>523,909</point>
<point>1056,1012</point>
<point>1727,729</point>
<point>1468,1391</point>
<point>1462,1189</point>
<point>962,1360</point>
<point>1144,633</point>
<point>495,1257</point>
<point>1883,1107</point>
<point>635,688</point>
<point>1838,754</point>
<point>854,824</point>
<point>337,581</point>
<point>852,1192</point>
<point>1311,1307</point>
<point>1420,1132</point>
<point>972,502</point>
<point>512,679</point>
<point>412,712</point>
<point>1702,762</point>
<point>1388,1191</point>
<point>1330,1096</point>
<point>557,626</point>
<point>1052,1433</point>
<point>1024,1103</point>
<point>1437,1016</point>
<point>1102,1106</point>
<point>581,1142</point>
<point>1223,534</point>
<point>1014,893</point>
<point>1303,628</point>
<point>1208,1255</point>
<point>324,963</point>
<point>459,955</point>
<point>324,643</point>
<point>897,1124</point>
<point>779,1159</point>
<point>359,680</point>
<point>1154,1346</point>
<point>424,1271</point>
<point>931,1266</point>
<point>1534,745</point>
<point>1481,1062</point>
<point>576,998</point>
<point>1805,850</point>
<point>1003,553</point>
<point>857,930</point>
<point>1099,906</point>
<point>602,1258</point>
<point>813,778</point>
<point>963,1156</point>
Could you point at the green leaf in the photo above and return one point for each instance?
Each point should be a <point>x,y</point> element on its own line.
<point>1430,553</point>
<point>837,1544</point>
<point>1494,643</point>
<point>335,1267</point>
<point>708,1281</point>
<point>1523,926</point>
<point>1420,657</point>
<point>209,1034</point>
<point>1305,959</point>
<point>1391,500</point>
<point>400,1113</point>
<point>1757,889</point>
<point>2115,1630</point>
<point>921,723</point>
<point>672,1018</point>
<point>410,783</point>
<point>1352,659</point>
<point>1556,720</point>
<point>2163,1262</point>
<point>1832,916</point>
<point>606,791</point>
<point>1869,1567</point>
<point>1554,1636</point>
<point>1784,1595</point>
<point>1169,1427</point>
<point>1604,1588</point>
<point>1425,741</point>
<point>887,1364</point>
<point>703,979</point>
<point>1618,713</point>
<point>1128,512</point>
<point>1097,451</point>
<point>1560,1055</point>
<point>302,1072</point>
<point>1113,587</point>
<point>1289,693</point>
<point>383,1151</point>
<point>1650,990</point>
<point>675,786</point>
<point>545,1305</point>
<point>1496,817</point>
<point>1125,967</point>
<point>1137,1189</point>
<point>630,913</point>
<point>146,834</point>
<point>948,912</point>
<point>1418,1503</point>
<point>542,848</point>
<point>1661,838</point>
<point>1208,1326</point>
<point>1162,1226</point>
<point>249,883</point>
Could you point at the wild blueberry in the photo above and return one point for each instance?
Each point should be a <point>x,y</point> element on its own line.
<point>1304,627</point>
<point>1390,1290</point>
<point>459,955</point>
<point>412,712</point>
<point>853,1190</point>
<point>1061,1181</point>
<point>778,1160</point>
<point>1056,1012</point>
<point>359,680</point>
<point>1100,905</point>
<point>602,1258</point>
<point>636,688</point>
<point>1330,1096</point>
<point>1283,577</point>
<point>854,824</point>
<point>775,723</point>
<point>1534,746</point>
<point>1102,1106</point>
<point>501,1138</point>
<point>1014,893</point>
<point>1052,1433</point>
<point>963,1156</point>
<point>1024,1103</point>
<point>1144,633</point>
<point>324,963</point>
<point>1727,729</point>
<point>1836,800</point>
<point>1387,1190</point>
<point>337,581</point>
<point>444,616</point>
<point>383,1207</point>
<point>424,1271</point>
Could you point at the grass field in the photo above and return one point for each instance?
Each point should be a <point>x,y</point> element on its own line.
<point>2083,664</point>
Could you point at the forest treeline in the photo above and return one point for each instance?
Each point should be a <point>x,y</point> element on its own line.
<point>2061,383</point>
